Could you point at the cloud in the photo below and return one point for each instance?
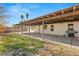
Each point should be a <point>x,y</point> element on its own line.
<point>20,8</point>
<point>34,7</point>
<point>15,11</point>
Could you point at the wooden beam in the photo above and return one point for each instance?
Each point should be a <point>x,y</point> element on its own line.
<point>58,16</point>
<point>74,9</point>
<point>63,14</point>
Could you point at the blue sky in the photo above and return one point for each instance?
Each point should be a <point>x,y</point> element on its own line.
<point>34,10</point>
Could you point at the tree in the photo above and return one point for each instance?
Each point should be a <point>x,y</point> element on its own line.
<point>2,15</point>
<point>3,20</point>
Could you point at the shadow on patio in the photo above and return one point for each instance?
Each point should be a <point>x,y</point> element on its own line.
<point>57,38</point>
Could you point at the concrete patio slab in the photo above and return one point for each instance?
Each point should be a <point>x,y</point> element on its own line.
<point>57,38</point>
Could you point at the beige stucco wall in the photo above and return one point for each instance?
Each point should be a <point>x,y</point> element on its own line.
<point>76,27</point>
<point>37,30</point>
<point>59,28</point>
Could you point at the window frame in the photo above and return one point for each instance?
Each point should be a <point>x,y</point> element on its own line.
<point>70,26</point>
<point>52,27</point>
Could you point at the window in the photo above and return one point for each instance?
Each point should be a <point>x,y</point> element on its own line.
<point>52,27</point>
<point>45,27</point>
<point>70,26</point>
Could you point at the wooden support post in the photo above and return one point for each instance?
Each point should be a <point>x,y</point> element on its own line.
<point>14,29</point>
<point>74,9</point>
<point>17,29</point>
<point>29,31</point>
<point>34,28</point>
<point>72,38</point>
<point>21,29</point>
<point>39,29</point>
<point>43,30</point>
<point>22,24</point>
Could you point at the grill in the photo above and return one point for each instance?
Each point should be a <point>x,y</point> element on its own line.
<point>71,33</point>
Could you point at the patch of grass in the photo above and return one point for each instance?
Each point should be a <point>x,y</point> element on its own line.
<point>13,42</point>
<point>2,49</point>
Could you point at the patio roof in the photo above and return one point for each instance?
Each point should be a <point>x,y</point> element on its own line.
<point>65,15</point>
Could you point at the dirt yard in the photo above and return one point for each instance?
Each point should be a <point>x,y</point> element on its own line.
<point>54,49</point>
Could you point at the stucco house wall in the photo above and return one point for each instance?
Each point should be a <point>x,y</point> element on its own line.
<point>59,28</point>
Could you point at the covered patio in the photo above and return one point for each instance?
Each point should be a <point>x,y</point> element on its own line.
<point>66,15</point>
<point>61,16</point>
